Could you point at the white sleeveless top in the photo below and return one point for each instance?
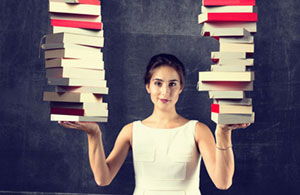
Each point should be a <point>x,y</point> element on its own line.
<point>166,161</point>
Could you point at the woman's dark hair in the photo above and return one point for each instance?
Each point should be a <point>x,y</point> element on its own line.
<point>164,60</point>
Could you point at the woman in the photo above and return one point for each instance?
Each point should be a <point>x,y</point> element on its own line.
<point>167,148</point>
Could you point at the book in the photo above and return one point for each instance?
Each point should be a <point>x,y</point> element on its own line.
<point>89,63</point>
<point>72,97</point>
<point>67,111</point>
<point>227,2</point>
<point>228,17</point>
<point>76,82</point>
<point>232,118</point>
<point>49,46</point>
<point>230,54</point>
<point>249,26</point>
<point>76,24</point>
<point>231,109</point>
<point>82,89</point>
<point>79,112</point>
<point>233,61</point>
<point>226,94</point>
<point>226,76</point>
<point>244,39</point>
<point>245,101</point>
<point>83,105</point>
<point>80,31</point>
<point>92,2</point>
<point>228,9</point>
<point>60,117</point>
<point>237,47</point>
<point>59,6</point>
<point>224,86</point>
<point>75,17</point>
<point>70,72</point>
<point>72,53</point>
<point>74,39</point>
<point>225,32</point>
<point>229,68</point>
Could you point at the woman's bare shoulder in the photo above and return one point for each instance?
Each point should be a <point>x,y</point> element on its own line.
<point>202,131</point>
<point>126,132</point>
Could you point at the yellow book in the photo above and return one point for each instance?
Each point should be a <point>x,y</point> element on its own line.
<point>226,76</point>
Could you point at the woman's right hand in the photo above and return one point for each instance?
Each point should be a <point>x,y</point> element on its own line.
<point>90,128</point>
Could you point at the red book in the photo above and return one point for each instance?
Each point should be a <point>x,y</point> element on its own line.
<point>67,111</point>
<point>227,2</point>
<point>90,2</point>
<point>228,17</point>
<point>215,108</point>
<point>77,24</point>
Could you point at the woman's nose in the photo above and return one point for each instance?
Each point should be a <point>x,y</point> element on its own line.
<point>164,90</point>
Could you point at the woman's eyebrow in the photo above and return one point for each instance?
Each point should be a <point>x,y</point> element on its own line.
<point>173,80</point>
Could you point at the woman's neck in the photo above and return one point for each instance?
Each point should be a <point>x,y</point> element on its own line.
<point>163,118</point>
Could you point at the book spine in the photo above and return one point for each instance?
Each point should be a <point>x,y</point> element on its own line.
<point>231,17</point>
<point>228,2</point>
<point>67,111</point>
<point>76,24</point>
<point>91,2</point>
<point>215,108</point>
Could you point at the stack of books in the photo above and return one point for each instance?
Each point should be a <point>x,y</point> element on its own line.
<point>74,61</point>
<point>232,23</point>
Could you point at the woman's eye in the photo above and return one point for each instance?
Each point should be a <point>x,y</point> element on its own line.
<point>172,84</point>
<point>157,83</point>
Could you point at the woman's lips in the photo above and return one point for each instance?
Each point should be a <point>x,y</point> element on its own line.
<point>164,100</point>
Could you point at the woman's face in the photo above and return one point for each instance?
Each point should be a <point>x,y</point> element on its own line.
<point>164,87</point>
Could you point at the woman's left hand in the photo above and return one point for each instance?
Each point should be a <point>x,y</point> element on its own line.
<point>230,127</point>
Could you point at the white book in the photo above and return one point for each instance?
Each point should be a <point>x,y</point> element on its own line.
<point>228,68</point>
<point>226,76</point>
<point>235,55</point>
<point>249,26</point>
<point>234,61</point>
<point>82,89</point>
<point>226,94</point>
<point>75,39</point>
<point>76,82</point>
<point>49,46</point>
<point>245,101</point>
<point>228,9</point>
<point>237,47</point>
<point>232,118</point>
<point>231,109</point>
<point>60,117</point>
<point>71,97</point>
<point>225,86</point>
<point>70,72</point>
<point>244,39</point>
<point>224,32</point>
<point>59,6</point>
<point>72,53</point>
<point>80,31</point>
<point>89,63</point>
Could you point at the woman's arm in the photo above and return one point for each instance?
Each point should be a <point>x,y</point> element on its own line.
<point>218,156</point>
<point>104,169</point>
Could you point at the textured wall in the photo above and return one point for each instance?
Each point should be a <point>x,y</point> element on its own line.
<point>38,155</point>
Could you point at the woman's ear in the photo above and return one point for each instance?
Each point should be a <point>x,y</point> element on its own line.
<point>181,89</point>
<point>147,88</point>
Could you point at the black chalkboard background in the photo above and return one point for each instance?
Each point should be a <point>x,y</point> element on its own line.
<point>37,155</point>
